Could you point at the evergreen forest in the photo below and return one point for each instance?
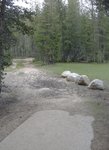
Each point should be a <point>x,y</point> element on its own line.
<point>75,31</point>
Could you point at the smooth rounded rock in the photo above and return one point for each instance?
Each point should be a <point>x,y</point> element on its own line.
<point>65,74</point>
<point>96,85</point>
<point>72,77</point>
<point>84,80</point>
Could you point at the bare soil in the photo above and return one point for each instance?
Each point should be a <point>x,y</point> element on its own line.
<point>29,90</point>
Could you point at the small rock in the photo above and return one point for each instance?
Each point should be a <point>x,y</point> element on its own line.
<point>84,80</point>
<point>72,77</point>
<point>77,79</point>
<point>96,84</point>
<point>65,74</point>
<point>13,65</point>
<point>44,89</point>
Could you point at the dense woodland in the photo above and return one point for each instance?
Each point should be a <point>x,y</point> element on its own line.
<point>67,32</point>
<point>55,32</point>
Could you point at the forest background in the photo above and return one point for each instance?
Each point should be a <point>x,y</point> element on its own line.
<point>66,32</point>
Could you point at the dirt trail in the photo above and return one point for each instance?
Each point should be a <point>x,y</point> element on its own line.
<point>29,90</point>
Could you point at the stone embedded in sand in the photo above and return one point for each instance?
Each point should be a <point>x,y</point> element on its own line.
<point>83,80</point>
<point>72,77</point>
<point>65,74</point>
<point>14,65</point>
<point>77,78</point>
<point>96,84</point>
<point>46,92</point>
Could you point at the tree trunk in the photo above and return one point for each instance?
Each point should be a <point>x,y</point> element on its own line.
<point>2,24</point>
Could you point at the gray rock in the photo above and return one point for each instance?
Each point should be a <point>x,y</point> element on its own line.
<point>96,84</point>
<point>65,74</point>
<point>14,65</point>
<point>72,77</point>
<point>84,80</point>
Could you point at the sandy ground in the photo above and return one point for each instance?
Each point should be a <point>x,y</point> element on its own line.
<point>29,90</point>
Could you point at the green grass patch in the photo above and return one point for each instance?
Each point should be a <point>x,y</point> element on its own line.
<point>100,71</point>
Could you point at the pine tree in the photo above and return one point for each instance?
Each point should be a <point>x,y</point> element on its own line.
<point>11,18</point>
<point>73,31</point>
<point>48,35</point>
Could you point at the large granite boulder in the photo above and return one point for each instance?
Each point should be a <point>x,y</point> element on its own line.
<point>73,77</point>
<point>83,80</point>
<point>96,84</point>
<point>65,74</point>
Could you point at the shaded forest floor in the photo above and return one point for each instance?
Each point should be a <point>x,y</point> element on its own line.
<point>28,90</point>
